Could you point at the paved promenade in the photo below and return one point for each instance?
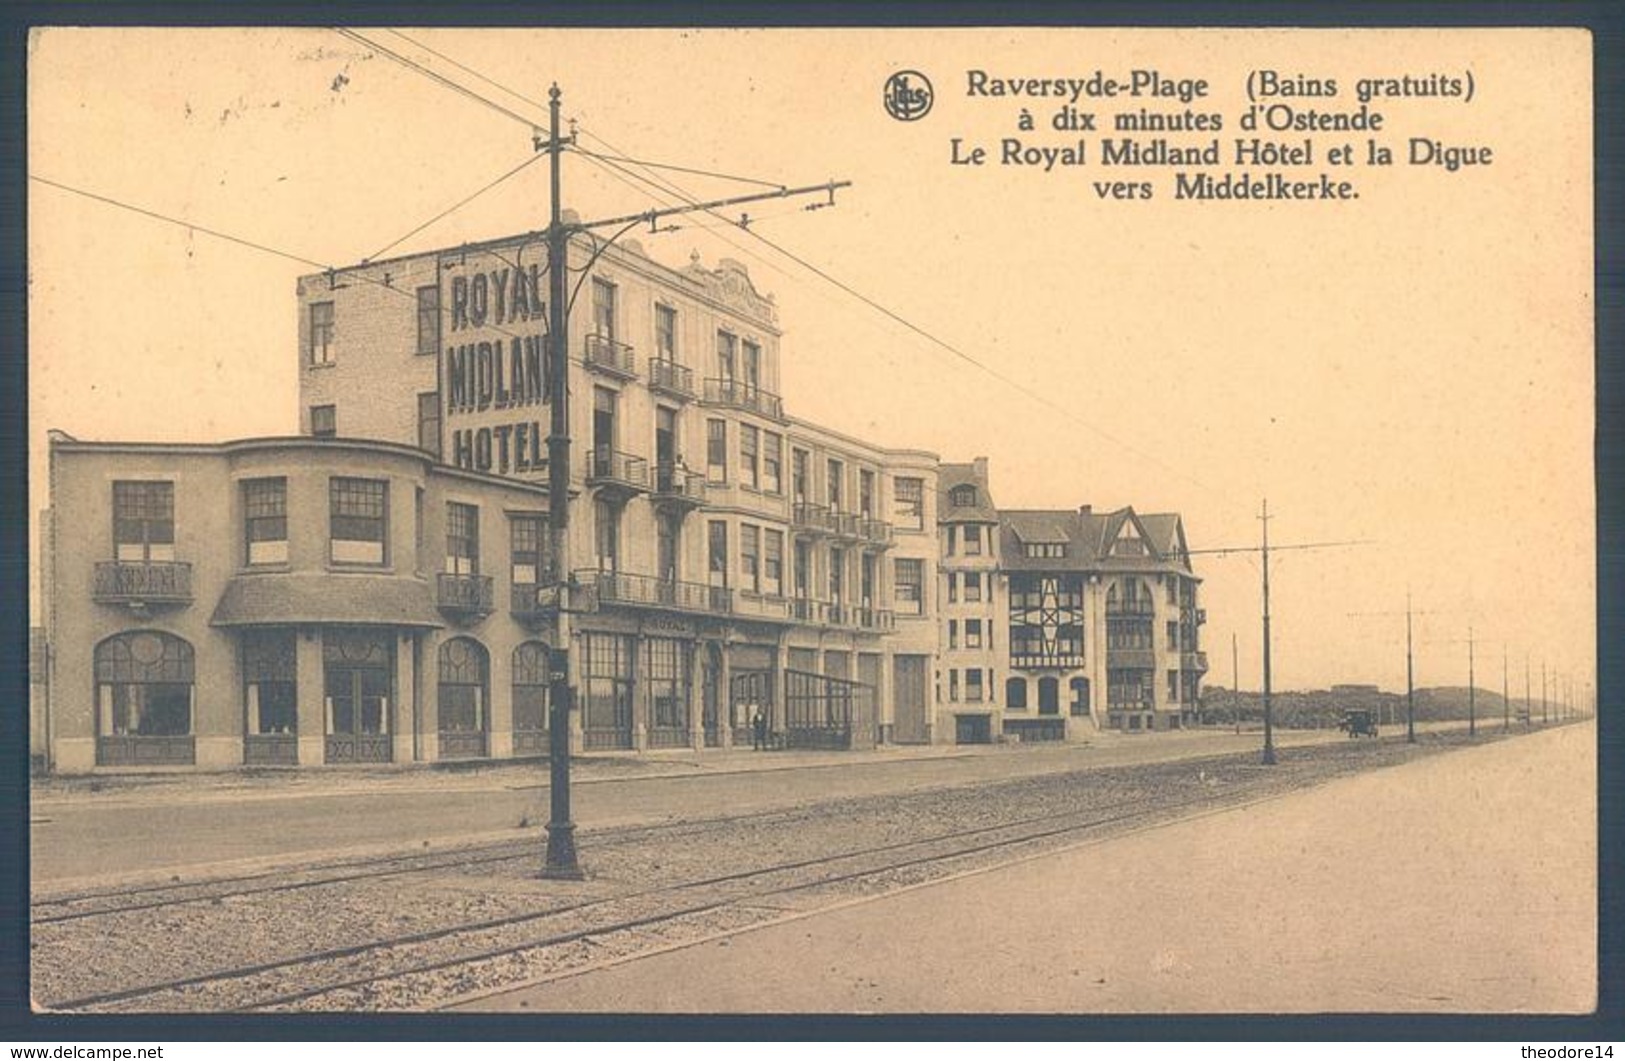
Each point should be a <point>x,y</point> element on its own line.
<point>1464,882</point>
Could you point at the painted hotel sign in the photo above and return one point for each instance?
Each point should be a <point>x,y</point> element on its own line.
<point>495,367</point>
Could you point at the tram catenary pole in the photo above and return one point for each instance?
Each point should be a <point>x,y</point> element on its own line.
<point>561,861</point>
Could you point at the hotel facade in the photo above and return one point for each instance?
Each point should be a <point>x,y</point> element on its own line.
<point>380,587</point>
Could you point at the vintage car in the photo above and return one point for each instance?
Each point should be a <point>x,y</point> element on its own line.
<point>1358,723</point>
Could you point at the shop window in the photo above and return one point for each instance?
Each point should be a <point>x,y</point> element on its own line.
<point>270,688</point>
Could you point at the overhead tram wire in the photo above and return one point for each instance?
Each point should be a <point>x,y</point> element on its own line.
<point>438,78</point>
<point>688,197</point>
<point>331,271</point>
<point>451,209</point>
<point>916,329</point>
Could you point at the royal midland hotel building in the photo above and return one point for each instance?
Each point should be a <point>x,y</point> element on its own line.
<point>379,588</point>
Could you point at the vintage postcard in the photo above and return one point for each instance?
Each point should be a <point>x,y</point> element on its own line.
<point>997,520</point>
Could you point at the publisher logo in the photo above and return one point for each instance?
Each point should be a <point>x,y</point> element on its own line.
<point>908,95</point>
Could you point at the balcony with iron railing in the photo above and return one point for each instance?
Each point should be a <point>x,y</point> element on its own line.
<point>879,619</point>
<point>610,356</point>
<point>1201,616</point>
<point>876,532</point>
<point>669,377</point>
<point>846,525</point>
<point>808,518</point>
<point>676,484</point>
<point>617,471</point>
<point>465,595</point>
<point>807,610</point>
<point>739,394</point>
<point>143,583</point>
<point>620,588</point>
<point>1196,661</point>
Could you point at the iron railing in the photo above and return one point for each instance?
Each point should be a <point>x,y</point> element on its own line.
<point>610,355</point>
<point>143,582</point>
<point>611,467</point>
<point>670,377</point>
<point>877,532</point>
<point>465,594</point>
<point>742,395</point>
<point>615,587</point>
<point>675,482</point>
<point>805,516</point>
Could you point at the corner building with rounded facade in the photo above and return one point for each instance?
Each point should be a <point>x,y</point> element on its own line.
<point>381,588</point>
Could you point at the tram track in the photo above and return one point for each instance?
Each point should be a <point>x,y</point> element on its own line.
<point>419,969</point>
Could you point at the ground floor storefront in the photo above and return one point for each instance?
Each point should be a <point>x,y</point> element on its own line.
<point>295,695</point>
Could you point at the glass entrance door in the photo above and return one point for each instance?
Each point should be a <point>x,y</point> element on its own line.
<point>356,679</point>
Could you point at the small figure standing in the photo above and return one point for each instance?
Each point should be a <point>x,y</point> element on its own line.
<point>758,726</point>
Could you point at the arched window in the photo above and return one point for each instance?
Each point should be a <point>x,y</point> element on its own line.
<point>464,684</point>
<point>144,685</point>
<point>1015,694</point>
<point>530,698</point>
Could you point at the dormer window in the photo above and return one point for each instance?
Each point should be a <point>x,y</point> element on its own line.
<point>1045,550</point>
<point>963,496</point>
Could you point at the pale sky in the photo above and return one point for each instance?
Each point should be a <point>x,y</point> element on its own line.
<point>1413,367</point>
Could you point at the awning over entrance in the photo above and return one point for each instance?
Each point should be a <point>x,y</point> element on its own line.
<point>377,600</point>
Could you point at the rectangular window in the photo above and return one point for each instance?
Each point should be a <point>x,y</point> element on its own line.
<point>144,521</point>
<point>973,587</point>
<point>1173,635</point>
<point>866,493</point>
<point>429,422</point>
<point>953,633</point>
<point>750,557</point>
<point>837,575</point>
<point>772,460</point>
<point>837,472</point>
<point>462,539</point>
<point>750,442</point>
<point>324,421</point>
<point>973,540</point>
<point>716,451</point>
<point>803,567</point>
<point>1173,590</point>
<point>866,581</point>
<point>717,544</point>
<point>953,587</point>
<point>798,475</point>
<point>908,503</point>
<point>951,541</point>
<point>321,333</point>
<point>773,564</point>
<point>265,520</point>
<point>727,344</point>
<point>665,332</point>
<point>1173,687</point>
<point>358,520</point>
<point>527,546</point>
<point>953,685</point>
<point>429,319</point>
<point>753,366</point>
<point>603,308</point>
<point>973,686</point>
<point>973,633</point>
<point>607,534</point>
<point>909,591</point>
